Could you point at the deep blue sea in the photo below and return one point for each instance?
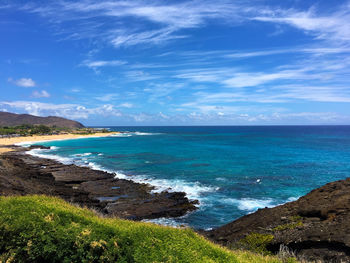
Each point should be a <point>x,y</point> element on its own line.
<point>231,170</point>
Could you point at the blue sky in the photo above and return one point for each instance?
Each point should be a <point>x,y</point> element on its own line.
<point>177,62</point>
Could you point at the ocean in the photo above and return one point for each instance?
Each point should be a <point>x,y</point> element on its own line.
<point>231,170</point>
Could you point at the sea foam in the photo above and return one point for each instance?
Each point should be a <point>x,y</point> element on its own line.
<point>250,204</point>
<point>193,190</point>
<point>129,134</point>
<point>43,153</point>
<point>164,221</point>
<point>82,154</point>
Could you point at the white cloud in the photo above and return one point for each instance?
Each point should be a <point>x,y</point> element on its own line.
<point>107,97</point>
<point>279,95</point>
<point>233,78</point>
<point>268,118</point>
<point>140,75</point>
<point>209,74</point>
<point>163,116</point>
<point>170,18</point>
<point>75,90</point>
<point>160,91</point>
<point>254,79</point>
<point>40,94</point>
<point>209,115</point>
<point>126,105</point>
<point>321,68</point>
<point>105,110</point>
<point>71,111</point>
<point>102,63</point>
<point>314,50</point>
<point>331,27</point>
<point>148,37</point>
<point>23,82</point>
<point>42,109</point>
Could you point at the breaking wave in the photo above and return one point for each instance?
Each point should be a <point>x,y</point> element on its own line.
<point>193,190</point>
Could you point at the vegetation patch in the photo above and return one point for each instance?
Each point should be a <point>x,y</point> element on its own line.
<point>48,229</point>
<point>25,130</point>
<point>28,130</point>
<point>288,226</point>
<point>296,221</point>
<point>256,242</point>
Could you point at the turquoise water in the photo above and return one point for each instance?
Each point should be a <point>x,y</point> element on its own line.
<point>232,171</point>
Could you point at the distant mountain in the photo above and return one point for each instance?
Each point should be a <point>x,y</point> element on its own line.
<point>12,119</point>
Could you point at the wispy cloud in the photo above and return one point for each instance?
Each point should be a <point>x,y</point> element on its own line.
<point>168,18</point>
<point>120,25</point>
<point>234,78</point>
<point>158,92</point>
<point>199,77</point>
<point>315,50</point>
<point>107,97</point>
<point>102,63</point>
<point>240,80</point>
<point>330,26</point>
<point>148,37</point>
<point>23,82</point>
<point>222,101</point>
<point>40,94</point>
<point>140,75</point>
<point>314,70</point>
<point>126,105</point>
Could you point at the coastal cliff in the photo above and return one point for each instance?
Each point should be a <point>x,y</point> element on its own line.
<point>315,227</point>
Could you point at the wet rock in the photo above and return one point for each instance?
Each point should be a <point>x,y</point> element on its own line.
<point>22,174</point>
<point>37,147</point>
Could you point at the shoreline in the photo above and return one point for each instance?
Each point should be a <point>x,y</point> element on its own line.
<point>313,227</point>
<point>25,174</point>
<point>8,144</point>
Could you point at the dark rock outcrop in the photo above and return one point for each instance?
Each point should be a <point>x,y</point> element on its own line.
<point>316,227</point>
<point>12,119</point>
<point>22,174</point>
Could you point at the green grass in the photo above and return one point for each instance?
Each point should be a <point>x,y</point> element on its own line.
<point>48,229</point>
<point>296,221</point>
<point>256,242</point>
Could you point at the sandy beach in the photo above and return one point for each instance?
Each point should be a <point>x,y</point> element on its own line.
<point>38,138</point>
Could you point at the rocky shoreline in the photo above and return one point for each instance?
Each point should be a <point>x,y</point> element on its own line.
<point>314,228</point>
<point>23,174</point>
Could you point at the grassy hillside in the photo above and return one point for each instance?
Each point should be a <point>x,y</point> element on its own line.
<point>48,229</point>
